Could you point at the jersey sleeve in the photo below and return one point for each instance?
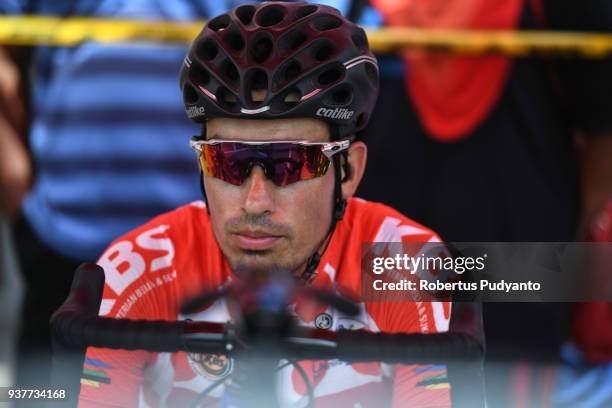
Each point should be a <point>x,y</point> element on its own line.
<point>413,385</point>
<point>403,316</point>
<point>139,284</point>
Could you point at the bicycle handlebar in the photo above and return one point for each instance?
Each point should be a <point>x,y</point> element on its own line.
<point>76,324</point>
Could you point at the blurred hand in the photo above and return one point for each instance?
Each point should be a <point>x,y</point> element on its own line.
<point>15,166</point>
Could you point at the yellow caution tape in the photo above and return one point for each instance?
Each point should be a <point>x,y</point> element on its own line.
<point>39,30</point>
<point>508,42</point>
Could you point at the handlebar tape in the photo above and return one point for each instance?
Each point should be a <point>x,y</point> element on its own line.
<point>358,345</point>
<point>76,323</point>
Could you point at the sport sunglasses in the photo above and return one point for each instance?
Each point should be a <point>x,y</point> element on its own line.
<point>283,162</point>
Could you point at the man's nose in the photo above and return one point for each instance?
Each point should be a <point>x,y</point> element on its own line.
<point>259,192</point>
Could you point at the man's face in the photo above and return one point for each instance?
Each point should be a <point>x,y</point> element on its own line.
<point>258,225</point>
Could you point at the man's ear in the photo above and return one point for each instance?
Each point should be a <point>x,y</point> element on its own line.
<point>357,158</point>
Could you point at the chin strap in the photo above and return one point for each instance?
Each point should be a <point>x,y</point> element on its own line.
<point>203,191</point>
<point>337,214</point>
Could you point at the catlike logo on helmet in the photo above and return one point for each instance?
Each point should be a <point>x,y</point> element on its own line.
<point>335,113</point>
<point>195,111</point>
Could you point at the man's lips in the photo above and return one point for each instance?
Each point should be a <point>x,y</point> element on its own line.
<point>255,240</point>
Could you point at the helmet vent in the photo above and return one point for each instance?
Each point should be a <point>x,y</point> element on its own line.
<point>257,86</point>
<point>286,100</point>
<point>245,14</point>
<point>219,23</point>
<point>235,41</point>
<point>199,75</point>
<point>360,40</point>
<point>341,96</point>
<point>292,71</point>
<point>330,76</point>
<point>269,16</point>
<point>323,51</point>
<point>299,39</point>
<point>292,40</point>
<point>292,98</point>
<point>230,70</point>
<point>259,80</point>
<point>304,11</point>
<point>261,49</point>
<point>209,50</point>
<point>326,22</point>
<point>226,99</point>
<point>190,96</point>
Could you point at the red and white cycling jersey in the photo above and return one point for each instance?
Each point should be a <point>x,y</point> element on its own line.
<point>152,270</point>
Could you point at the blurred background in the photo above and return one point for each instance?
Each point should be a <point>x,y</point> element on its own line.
<point>488,146</point>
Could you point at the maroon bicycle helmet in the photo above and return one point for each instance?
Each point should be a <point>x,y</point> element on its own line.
<point>306,59</point>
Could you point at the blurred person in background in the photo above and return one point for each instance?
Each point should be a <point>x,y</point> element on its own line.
<point>11,292</point>
<point>492,150</point>
<point>15,166</point>
<point>14,182</point>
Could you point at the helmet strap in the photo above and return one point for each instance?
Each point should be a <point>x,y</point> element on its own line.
<point>338,210</point>
<point>203,191</point>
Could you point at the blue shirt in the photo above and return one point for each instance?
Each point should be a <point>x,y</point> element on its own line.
<point>109,134</point>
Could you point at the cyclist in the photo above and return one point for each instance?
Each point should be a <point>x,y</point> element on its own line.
<point>281,90</point>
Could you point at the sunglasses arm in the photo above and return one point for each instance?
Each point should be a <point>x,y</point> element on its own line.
<point>330,149</point>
